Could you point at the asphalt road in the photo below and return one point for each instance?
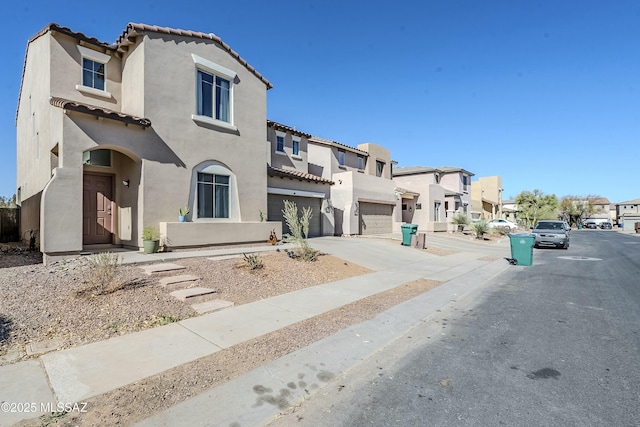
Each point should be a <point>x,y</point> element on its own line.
<point>554,344</point>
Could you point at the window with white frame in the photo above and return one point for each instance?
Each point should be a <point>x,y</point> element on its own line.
<point>379,168</point>
<point>94,72</point>
<point>214,93</point>
<point>341,155</point>
<point>360,162</point>
<point>213,195</point>
<point>214,97</point>
<point>280,144</point>
<point>436,211</point>
<point>295,146</point>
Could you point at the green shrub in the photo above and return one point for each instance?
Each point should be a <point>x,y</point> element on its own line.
<point>101,271</point>
<point>299,230</point>
<point>480,228</point>
<point>253,261</point>
<point>460,220</point>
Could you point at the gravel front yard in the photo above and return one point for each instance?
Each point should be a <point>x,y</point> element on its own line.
<point>39,303</point>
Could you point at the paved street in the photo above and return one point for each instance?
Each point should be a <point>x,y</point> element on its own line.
<point>552,344</point>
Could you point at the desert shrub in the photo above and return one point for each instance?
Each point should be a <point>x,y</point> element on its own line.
<point>460,221</point>
<point>101,271</point>
<point>253,261</point>
<point>299,230</point>
<point>480,228</point>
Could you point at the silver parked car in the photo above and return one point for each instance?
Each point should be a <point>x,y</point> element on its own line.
<point>551,233</point>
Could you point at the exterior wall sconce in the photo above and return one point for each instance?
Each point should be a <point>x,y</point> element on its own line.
<point>126,183</point>
<point>329,207</point>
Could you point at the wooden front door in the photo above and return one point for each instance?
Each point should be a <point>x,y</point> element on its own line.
<point>97,205</point>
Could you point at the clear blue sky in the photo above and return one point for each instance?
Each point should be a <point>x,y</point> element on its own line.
<point>544,93</point>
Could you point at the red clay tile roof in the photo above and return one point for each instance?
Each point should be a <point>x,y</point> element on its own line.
<point>284,128</point>
<point>283,173</point>
<point>134,30</point>
<point>125,40</point>
<point>98,111</point>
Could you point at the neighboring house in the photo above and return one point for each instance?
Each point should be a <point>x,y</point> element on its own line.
<point>510,210</point>
<point>289,179</point>
<point>628,213</point>
<point>363,197</point>
<point>430,197</point>
<point>115,137</point>
<point>601,208</point>
<point>486,198</point>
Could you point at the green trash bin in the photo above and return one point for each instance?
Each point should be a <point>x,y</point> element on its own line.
<point>408,230</point>
<point>522,248</point>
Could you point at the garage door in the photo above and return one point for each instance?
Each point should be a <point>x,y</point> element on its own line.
<point>276,205</point>
<point>375,218</point>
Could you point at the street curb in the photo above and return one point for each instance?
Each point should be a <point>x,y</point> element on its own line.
<point>256,398</point>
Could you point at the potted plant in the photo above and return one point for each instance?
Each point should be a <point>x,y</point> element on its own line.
<point>182,213</point>
<point>150,239</point>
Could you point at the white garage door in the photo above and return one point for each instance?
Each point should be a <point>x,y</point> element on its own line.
<point>276,205</point>
<point>375,218</point>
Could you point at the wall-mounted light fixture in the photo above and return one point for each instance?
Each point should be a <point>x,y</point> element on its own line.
<point>125,183</point>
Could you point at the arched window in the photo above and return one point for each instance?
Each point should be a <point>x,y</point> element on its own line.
<point>215,190</point>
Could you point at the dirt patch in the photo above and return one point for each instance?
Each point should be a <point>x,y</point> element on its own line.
<point>43,303</point>
<point>140,400</point>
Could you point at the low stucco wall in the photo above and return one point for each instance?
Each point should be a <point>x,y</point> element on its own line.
<point>185,234</point>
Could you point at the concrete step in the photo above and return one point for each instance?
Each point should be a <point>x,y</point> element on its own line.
<point>193,295</point>
<point>211,306</point>
<point>173,283</point>
<point>161,268</point>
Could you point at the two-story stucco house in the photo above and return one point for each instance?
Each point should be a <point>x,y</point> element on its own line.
<point>115,137</point>
<point>349,189</point>
<point>363,197</point>
<point>486,198</point>
<point>432,196</point>
<point>289,179</point>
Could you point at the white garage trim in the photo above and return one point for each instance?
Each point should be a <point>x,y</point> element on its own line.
<point>300,193</point>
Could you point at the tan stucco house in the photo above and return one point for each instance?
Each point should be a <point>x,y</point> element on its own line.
<point>363,198</point>
<point>486,198</point>
<point>115,137</point>
<point>432,196</point>
<point>289,179</point>
<point>349,189</point>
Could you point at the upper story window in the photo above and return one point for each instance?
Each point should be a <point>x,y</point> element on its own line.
<point>436,176</point>
<point>341,155</point>
<point>214,93</point>
<point>295,146</point>
<point>379,168</point>
<point>214,97</point>
<point>465,182</point>
<point>360,162</point>
<point>280,137</point>
<point>94,72</point>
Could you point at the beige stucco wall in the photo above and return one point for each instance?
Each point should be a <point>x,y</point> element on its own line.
<point>157,82</point>
<point>352,187</point>
<point>287,160</point>
<point>486,196</point>
<point>170,100</point>
<point>430,193</point>
<point>376,153</point>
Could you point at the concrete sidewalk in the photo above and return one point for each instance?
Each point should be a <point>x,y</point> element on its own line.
<point>76,374</point>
